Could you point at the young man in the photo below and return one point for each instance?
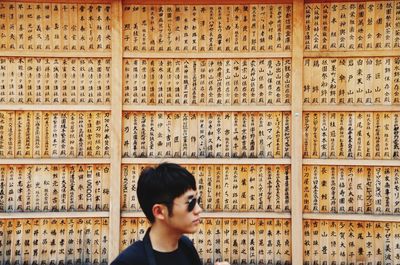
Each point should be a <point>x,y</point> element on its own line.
<point>168,197</point>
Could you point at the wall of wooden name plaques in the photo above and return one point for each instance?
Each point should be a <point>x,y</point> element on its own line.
<point>224,114</point>
<point>286,112</point>
<point>351,132</point>
<point>240,240</point>
<point>55,132</point>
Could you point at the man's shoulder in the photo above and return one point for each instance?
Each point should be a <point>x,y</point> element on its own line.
<point>134,254</point>
<point>190,250</point>
<point>185,240</point>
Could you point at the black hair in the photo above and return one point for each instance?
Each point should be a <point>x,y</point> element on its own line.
<point>162,184</point>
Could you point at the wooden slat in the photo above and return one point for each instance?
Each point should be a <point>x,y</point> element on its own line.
<point>47,215</point>
<point>53,161</point>
<point>251,215</point>
<point>347,107</point>
<point>205,161</point>
<point>341,54</point>
<point>352,217</point>
<point>350,162</point>
<point>197,108</point>
<point>61,1</point>
<point>56,54</point>
<point>334,1</point>
<point>116,130</point>
<point>208,55</point>
<point>296,151</point>
<point>37,107</point>
<point>206,2</point>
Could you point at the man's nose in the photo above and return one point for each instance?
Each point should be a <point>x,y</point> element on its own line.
<point>197,208</point>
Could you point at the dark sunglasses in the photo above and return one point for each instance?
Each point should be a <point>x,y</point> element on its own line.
<point>192,203</point>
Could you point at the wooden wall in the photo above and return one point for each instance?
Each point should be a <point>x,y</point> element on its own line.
<point>286,112</point>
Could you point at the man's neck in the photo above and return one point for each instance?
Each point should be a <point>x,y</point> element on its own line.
<point>163,239</point>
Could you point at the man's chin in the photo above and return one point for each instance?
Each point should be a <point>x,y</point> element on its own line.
<point>193,230</point>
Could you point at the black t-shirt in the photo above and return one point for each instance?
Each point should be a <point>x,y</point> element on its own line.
<point>176,257</point>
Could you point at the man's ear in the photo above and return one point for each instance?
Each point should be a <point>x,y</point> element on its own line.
<point>159,211</point>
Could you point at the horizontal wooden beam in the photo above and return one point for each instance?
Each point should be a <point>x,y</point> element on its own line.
<point>209,161</point>
<point>205,2</point>
<point>53,215</point>
<point>336,1</point>
<point>208,108</point>
<point>355,108</point>
<point>344,54</point>
<point>352,217</point>
<point>207,55</point>
<point>56,54</point>
<point>37,107</point>
<point>53,161</point>
<point>351,162</point>
<point>247,215</point>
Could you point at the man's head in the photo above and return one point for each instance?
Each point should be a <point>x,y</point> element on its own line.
<point>162,185</point>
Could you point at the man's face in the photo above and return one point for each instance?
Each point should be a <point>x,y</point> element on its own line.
<point>182,220</point>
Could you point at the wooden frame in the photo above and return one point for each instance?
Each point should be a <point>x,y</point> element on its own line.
<point>117,108</point>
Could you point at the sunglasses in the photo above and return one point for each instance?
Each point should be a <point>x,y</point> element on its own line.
<point>192,203</point>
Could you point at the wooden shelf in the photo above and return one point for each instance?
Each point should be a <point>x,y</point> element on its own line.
<point>53,215</point>
<point>248,215</point>
<point>60,1</point>
<point>53,161</point>
<point>355,108</point>
<point>210,161</point>
<point>344,54</point>
<point>352,217</point>
<point>36,107</point>
<point>351,162</point>
<point>206,55</point>
<point>209,108</point>
<point>206,2</point>
<point>199,108</point>
<point>56,54</point>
